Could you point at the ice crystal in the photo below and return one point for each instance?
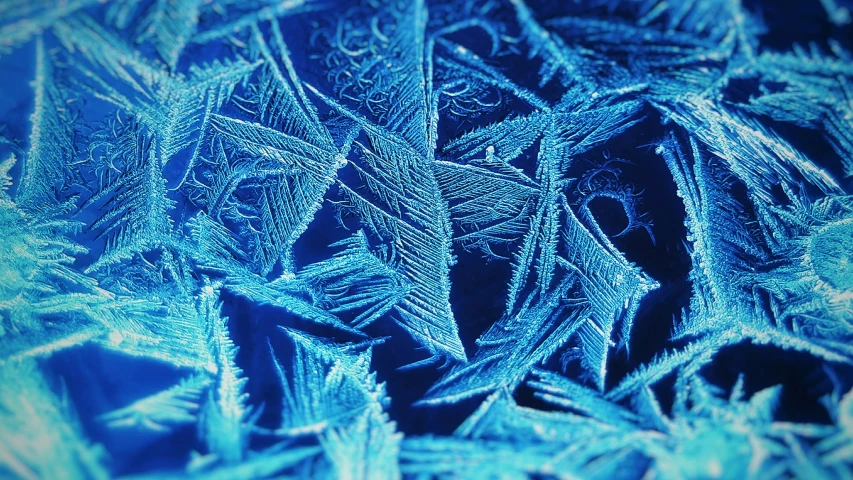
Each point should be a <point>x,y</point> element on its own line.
<point>426,239</point>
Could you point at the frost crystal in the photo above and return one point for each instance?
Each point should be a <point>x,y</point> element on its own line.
<point>426,239</point>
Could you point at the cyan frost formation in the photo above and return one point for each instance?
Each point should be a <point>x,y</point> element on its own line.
<point>453,239</point>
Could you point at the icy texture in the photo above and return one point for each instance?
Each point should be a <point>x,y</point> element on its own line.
<point>427,239</point>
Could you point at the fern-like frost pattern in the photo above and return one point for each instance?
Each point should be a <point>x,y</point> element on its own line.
<point>426,239</point>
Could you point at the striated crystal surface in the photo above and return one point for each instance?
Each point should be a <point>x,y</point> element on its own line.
<point>370,239</point>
